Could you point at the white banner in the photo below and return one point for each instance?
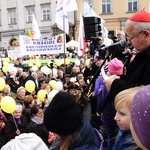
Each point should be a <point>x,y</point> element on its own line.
<point>53,45</point>
<point>14,51</point>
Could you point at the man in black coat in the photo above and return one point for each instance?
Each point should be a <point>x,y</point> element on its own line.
<point>137,29</point>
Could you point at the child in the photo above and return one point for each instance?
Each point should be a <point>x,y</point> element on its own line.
<point>122,103</point>
<point>115,67</point>
<point>140,118</point>
<point>63,117</point>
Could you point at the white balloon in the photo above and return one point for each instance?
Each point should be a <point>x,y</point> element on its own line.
<point>51,95</point>
<point>58,85</point>
<point>44,69</point>
<point>12,69</point>
<point>34,68</point>
<point>77,62</point>
<point>80,53</point>
<point>55,72</point>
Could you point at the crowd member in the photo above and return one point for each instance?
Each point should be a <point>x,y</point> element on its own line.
<point>122,103</point>
<point>108,126</point>
<point>118,50</point>
<point>37,126</point>
<point>36,81</point>
<point>137,28</point>
<point>12,81</point>
<point>63,117</point>
<point>25,141</point>
<point>29,102</point>
<point>101,46</point>
<point>60,75</point>
<point>7,91</point>
<point>21,92</point>
<point>140,120</point>
<point>46,87</point>
<point>16,124</point>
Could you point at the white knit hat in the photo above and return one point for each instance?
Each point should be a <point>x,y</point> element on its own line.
<point>25,141</point>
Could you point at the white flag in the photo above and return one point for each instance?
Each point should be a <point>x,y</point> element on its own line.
<point>64,6</point>
<point>35,29</point>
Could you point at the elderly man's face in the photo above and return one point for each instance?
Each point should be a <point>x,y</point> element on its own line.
<point>138,39</point>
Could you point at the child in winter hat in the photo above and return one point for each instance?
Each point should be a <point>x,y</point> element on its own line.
<point>115,66</point>
<point>63,116</point>
<point>140,117</point>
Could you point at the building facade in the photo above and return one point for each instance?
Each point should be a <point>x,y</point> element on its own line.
<point>16,17</point>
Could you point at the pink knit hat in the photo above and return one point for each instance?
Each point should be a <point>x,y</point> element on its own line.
<point>115,66</point>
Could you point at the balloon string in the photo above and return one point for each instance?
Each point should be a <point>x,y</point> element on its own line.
<point>15,121</point>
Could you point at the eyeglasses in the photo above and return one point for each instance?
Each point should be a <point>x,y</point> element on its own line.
<point>131,38</point>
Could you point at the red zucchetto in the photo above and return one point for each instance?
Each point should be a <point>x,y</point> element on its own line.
<point>140,16</point>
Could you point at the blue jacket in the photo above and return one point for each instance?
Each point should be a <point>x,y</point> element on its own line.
<point>88,138</point>
<point>124,141</point>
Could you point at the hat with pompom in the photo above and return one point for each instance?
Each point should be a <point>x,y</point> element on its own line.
<point>140,115</point>
<point>115,66</point>
<point>140,16</point>
<point>63,115</point>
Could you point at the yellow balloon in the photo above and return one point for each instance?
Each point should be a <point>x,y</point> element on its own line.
<point>48,63</point>
<point>38,64</point>
<point>12,58</point>
<point>42,94</point>
<point>8,104</point>
<point>5,69</point>
<point>52,84</point>
<point>30,64</point>
<point>87,62</point>
<point>58,63</point>
<point>2,84</point>
<point>37,57</point>
<point>67,61</point>
<point>7,59</point>
<point>30,86</point>
<point>5,63</point>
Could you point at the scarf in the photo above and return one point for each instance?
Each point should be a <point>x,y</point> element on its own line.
<point>37,120</point>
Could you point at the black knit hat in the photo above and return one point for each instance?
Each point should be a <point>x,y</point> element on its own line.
<point>63,115</point>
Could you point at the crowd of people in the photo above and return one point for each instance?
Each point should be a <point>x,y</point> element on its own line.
<point>95,109</point>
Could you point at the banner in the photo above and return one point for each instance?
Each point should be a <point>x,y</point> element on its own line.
<point>53,45</point>
<point>14,51</point>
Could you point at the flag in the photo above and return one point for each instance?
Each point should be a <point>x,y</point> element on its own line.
<point>35,29</point>
<point>30,33</point>
<point>81,39</point>
<point>89,12</point>
<point>63,7</point>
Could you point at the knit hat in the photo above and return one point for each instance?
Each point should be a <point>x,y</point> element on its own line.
<point>63,115</point>
<point>25,141</point>
<point>140,16</point>
<point>140,115</point>
<point>115,66</point>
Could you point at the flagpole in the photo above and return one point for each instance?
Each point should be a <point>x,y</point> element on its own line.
<point>64,37</point>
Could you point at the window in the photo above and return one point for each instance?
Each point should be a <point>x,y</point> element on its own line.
<point>106,6</point>
<point>12,16</point>
<point>132,5</point>
<point>90,2</point>
<point>30,10</point>
<point>45,12</point>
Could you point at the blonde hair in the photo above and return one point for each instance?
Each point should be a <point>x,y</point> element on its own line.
<point>125,97</point>
<point>65,142</point>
